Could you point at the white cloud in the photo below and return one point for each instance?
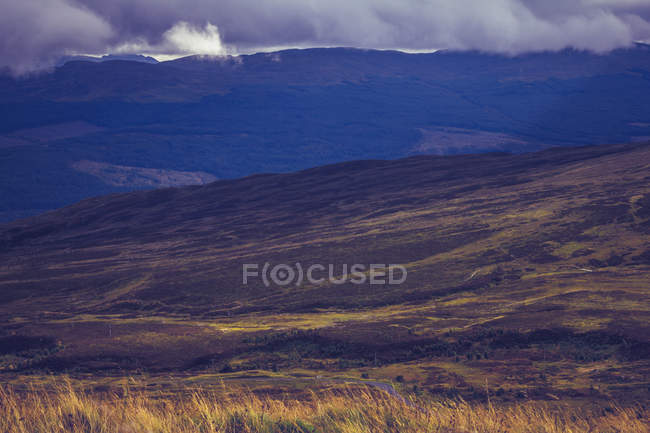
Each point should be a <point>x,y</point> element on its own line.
<point>193,40</point>
<point>181,39</point>
<point>34,32</point>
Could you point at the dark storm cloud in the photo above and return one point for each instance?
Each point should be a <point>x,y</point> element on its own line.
<point>34,32</point>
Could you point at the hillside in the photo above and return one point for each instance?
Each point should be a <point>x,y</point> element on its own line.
<point>290,110</point>
<point>530,270</point>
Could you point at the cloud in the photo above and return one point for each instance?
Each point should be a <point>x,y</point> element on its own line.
<point>181,39</point>
<point>33,32</point>
<point>185,38</point>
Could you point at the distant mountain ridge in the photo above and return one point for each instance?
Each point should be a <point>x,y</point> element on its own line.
<point>107,58</point>
<point>276,112</point>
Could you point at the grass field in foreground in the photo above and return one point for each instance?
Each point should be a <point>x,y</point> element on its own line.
<point>338,410</point>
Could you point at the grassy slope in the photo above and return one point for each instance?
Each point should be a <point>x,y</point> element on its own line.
<point>350,410</point>
<point>498,247</point>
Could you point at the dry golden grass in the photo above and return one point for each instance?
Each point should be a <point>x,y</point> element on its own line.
<point>351,410</point>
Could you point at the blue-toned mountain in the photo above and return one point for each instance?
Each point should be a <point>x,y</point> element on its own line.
<point>91,128</point>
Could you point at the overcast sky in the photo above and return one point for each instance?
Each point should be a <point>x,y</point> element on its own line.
<point>34,33</point>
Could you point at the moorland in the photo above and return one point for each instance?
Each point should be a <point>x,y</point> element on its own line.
<point>527,281</point>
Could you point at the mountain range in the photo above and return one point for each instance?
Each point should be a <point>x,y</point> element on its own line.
<point>89,128</point>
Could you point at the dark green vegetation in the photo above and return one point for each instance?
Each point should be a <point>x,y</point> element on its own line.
<point>528,271</point>
<point>295,109</point>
